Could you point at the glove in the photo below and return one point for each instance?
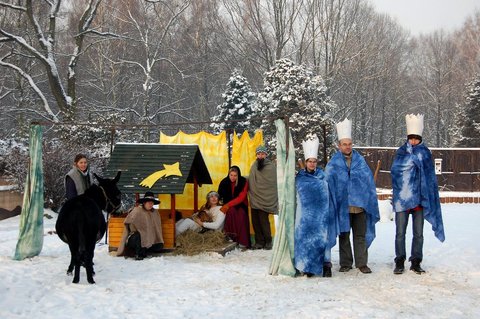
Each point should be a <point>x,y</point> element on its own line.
<point>224,208</point>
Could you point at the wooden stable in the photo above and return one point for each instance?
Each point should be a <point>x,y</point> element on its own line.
<point>136,161</point>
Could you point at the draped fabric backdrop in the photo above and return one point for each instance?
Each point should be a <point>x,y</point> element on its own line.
<point>30,240</point>
<point>283,245</point>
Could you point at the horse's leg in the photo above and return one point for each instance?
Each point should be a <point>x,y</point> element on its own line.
<point>89,262</point>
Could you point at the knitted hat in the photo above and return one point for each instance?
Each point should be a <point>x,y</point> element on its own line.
<point>261,149</point>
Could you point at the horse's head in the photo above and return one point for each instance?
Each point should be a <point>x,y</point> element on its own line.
<point>112,194</point>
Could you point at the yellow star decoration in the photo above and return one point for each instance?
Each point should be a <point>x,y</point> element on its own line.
<point>169,170</point>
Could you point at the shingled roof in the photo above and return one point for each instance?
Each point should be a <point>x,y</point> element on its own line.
<point>137,161</point>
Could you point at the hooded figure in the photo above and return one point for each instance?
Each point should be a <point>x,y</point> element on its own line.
<point>415,192</point>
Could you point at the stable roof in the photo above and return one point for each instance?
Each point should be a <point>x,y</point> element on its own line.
<point>137,161</point>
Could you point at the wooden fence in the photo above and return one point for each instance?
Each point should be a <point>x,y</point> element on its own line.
<point>458,169</point>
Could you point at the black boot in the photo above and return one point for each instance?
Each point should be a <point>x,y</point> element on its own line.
<point>399,266</point>
<point>416,267</point>
<point>327,270</point>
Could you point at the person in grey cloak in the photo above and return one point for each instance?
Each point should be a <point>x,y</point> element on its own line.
<point>262,192</point>
<point>315,222</point>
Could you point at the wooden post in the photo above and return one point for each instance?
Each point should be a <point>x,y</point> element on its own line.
<point>324,133</point>
<point>172,214</point>
<point>195,193</point>
<point>229,147</point>
<point>376,172</point>
<point>112,139</point>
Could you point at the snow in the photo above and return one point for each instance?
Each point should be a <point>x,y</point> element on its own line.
<point>238,285</point>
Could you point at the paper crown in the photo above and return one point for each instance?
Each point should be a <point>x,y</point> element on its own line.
<point>344,129</point>
<point>414,124</point>
<point>310,147</point>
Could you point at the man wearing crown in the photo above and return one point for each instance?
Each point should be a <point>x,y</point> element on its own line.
<point>415,192</point>
<point>355,200</point>
<point>315,223</point>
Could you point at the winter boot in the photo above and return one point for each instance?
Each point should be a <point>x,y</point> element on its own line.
<point>416,267</point>
<point>327,270</point>
<point>399,266</point>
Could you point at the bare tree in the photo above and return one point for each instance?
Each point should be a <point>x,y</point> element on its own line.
<point>39,42</point>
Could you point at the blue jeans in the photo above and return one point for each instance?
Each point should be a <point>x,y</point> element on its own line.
<point>401,222</point>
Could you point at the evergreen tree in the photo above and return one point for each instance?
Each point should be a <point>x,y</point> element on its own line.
<point>239,99</point>
<point>468,119</point>
<point>294,91</point>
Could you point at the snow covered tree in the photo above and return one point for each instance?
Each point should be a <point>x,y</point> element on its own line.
<point>294,91</point>
<point>239,99</point>
<point>468,117</point>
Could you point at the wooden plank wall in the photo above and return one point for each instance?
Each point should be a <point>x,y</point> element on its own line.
<point>115,229</point>
<point>460,167</point>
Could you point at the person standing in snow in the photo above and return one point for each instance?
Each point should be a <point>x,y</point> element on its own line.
<point>355,200</point>
<point>262,192</point>
<point>415,192</point>
<point>233,192</point>
<point>78,179</point>
<point>315,223</point>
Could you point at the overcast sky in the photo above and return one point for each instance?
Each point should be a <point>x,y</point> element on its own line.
<point>424,16</point>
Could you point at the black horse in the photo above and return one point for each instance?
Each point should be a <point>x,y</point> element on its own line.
<point>81,223</point>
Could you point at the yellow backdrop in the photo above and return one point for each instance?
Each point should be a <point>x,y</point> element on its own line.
<point>215,154</point>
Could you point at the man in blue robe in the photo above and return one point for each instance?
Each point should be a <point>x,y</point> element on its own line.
<point>415,192</point>
<point>355,200</point>
<point>315,222</point>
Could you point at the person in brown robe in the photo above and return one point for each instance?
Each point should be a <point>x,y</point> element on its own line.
<point>143,229</point>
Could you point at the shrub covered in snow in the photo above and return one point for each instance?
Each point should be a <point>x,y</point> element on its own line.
<point>238,101</point>
<point>294,91</point>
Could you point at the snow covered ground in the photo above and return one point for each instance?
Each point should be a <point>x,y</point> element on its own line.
<point>238,285</point>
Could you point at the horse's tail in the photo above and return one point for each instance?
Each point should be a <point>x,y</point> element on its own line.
<point>81,233</point>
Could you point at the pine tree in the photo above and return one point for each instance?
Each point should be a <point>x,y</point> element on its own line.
<point>294,91</point>
<point>239,99</point>
<point>468,119</point>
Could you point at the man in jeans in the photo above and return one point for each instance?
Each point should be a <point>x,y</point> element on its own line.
<point>415,192</point>
<point>355,200</point>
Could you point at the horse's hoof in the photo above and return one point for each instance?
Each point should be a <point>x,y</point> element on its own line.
<point>69,273</point>
<point>91,281</point>
<point>75,281</point>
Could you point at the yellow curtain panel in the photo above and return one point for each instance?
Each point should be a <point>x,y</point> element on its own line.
<point>215,154</point>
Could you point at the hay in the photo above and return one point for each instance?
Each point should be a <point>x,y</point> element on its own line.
<point>192,243</point>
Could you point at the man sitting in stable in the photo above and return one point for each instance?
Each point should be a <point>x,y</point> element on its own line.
<point>214,220</point>
<point>143,229</point>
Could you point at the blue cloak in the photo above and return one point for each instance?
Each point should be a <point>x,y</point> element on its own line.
<point>315,222</point>
<point>354,187</point>
<point>414,183</point>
